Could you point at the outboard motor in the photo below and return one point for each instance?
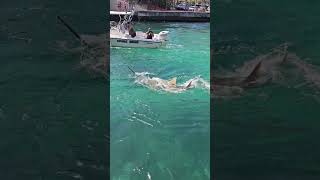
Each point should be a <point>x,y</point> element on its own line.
<point>163,35</point>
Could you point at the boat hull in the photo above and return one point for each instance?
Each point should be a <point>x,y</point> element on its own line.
<point>134,43</point>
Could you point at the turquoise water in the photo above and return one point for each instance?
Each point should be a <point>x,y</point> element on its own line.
<point>271,131</point>
<point>156,133</point>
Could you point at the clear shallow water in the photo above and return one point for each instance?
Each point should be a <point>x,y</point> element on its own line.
<point>269,132</point>
<point>155,133</point>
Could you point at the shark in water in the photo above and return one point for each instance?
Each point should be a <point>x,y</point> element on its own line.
<point>162,84</point>
<point>93,51</point>
<point>166,84</point>
<point>239,81</point>
<point>254,73</point>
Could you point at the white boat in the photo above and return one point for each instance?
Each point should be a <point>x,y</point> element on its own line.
<point>119,36</point>
<point>119,39</point>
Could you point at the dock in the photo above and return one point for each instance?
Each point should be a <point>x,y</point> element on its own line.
<point>165,16</point>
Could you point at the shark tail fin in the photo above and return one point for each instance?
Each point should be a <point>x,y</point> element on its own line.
<point>173,82</point>
<point>254,74</point>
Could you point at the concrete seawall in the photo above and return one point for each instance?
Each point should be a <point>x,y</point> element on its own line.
<point>169,16</point>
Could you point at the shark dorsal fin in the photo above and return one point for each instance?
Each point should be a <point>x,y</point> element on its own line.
<point>173,82</point>
<point>254,74</point>
<point>189,85</point>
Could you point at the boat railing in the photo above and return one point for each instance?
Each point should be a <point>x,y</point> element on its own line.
<point>123,22</point>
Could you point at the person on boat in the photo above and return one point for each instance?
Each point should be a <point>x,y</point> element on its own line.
<point>149,34</point>
<point>132,32</point>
